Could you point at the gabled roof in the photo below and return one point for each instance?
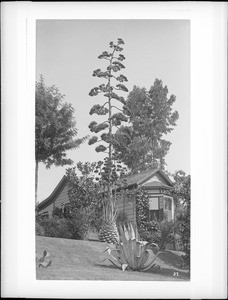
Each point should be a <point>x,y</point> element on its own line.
<point>132,180</point>
<point>143,177</point>
<point>54,194</point>
<point>156,184</point>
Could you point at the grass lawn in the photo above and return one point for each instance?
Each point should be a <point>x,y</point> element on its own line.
<point>81,260</point>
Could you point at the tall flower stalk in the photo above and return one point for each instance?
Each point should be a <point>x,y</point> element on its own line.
<point>116,115</point>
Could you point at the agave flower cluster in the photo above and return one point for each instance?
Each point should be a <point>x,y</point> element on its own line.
<point>132,253</point>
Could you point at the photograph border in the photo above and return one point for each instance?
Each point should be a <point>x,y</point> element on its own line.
<point>208,150</point>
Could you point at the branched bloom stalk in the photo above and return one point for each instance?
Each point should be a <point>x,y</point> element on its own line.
<point>114,59</point>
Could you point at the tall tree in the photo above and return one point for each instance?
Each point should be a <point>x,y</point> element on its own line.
<point>55,128</point>
<point>142,145</point>
<point>182,197</point>
<point>113,84</point>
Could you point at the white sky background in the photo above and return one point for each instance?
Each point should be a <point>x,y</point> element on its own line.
<point>66,55</point>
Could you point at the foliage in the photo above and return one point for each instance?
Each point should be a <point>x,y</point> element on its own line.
<point>75,227</point>
<point>145,227</point>
<point>85,196</point>
<point>55,227</point>
<point>43,261</point>
<point>163,233</point>
<point>55,126</point>
<point>142,209</point>
<point>157,231</point>
<point>142,146</point>
<point>131,252</point>
<point>182,197</point>
<point>58,212</point>
<point>113,83</point>
<point>39,229</point>
<point>79,223</point>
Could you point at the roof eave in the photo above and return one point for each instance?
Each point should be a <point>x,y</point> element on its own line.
<point>50,198</point>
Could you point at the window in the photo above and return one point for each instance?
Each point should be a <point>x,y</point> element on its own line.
<point>153,208</point>
<point>168,204</point>
<point>45,215</point>
<point>153,203</point>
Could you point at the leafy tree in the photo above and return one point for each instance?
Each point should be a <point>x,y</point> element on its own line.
<point>141,145</point>
<point>182,197</point>
<point>84,195</point>
<point>55,128</point>
<point>113,83</point>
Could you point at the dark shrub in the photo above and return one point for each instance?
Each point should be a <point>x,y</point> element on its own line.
<point>39,229</point>
<point>74,227</point>
<point>159,232</point>
<point>55,227</point>
<point>58,212</point>
<point>78,224</point>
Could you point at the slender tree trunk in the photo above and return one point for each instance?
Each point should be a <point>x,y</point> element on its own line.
<point>36,181</point>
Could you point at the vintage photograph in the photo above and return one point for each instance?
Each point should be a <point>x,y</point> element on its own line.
<point>112,148</point>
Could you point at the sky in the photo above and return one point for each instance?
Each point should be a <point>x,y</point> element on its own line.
<point>66,55</point>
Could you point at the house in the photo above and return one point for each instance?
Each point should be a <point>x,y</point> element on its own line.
<point>155,182</point>
<point>58,198</point>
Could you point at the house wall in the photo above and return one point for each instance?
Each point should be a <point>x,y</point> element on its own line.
<point>61,198</point>
<point>47,209</point>
<point>127,204</point>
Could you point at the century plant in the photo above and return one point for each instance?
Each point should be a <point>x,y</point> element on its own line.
<point>116,115</point>
<point>132,253</point>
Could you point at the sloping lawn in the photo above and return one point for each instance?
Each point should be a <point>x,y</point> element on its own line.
<point>81,260</point>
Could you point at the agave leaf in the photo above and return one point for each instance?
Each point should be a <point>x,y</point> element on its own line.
<point>123,237</point>
<point>131,253</point>
<point>137,262</point>
<point>128,246</point>
<point>152,262</point>
<point>136,234</point>
<point>45,263</point>
<point>126,233</point>
<point>121,254</point>
<point>117,255</point>
<point>144,258</point>
<point>127,251</point>
<point>134,254</point>
<point>141,255</point>
<point>114,254</point>
<point>118,266</point>
<point>124,266</point>
<point>138,249</point>
<point>144,247</point>
<point>155,246</point>
<point>133,237</point>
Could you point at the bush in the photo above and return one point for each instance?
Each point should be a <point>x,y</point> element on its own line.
<point>55,227</point>
<point>58,212</point>
<point>74,227</point>
<point>159,232</point>
<point>147,230</point>
<point>164,234</point>
<point>79,224</point>
<point>39,229</point>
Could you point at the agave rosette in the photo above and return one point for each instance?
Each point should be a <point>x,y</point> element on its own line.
<point>131,252</point>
